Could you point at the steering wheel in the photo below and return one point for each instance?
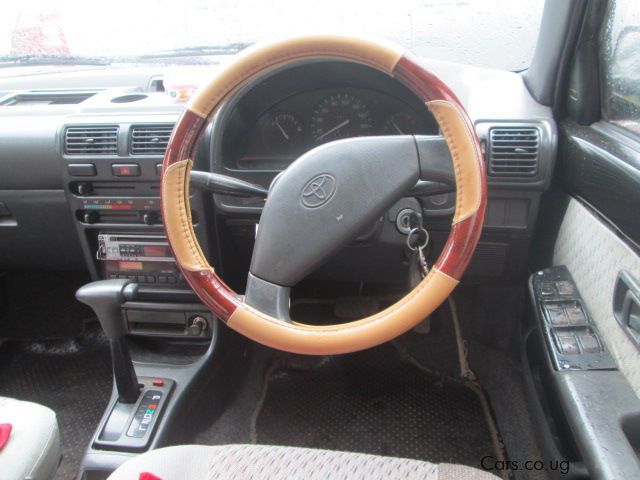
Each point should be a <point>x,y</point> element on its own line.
<point>326,197</point>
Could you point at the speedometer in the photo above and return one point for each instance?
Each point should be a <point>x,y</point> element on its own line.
<point>340,116</point>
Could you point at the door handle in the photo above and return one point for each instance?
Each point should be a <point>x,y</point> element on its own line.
<point>626,305</point>
<point>631,310</point>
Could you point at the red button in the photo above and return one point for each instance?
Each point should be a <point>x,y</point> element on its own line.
<point>158,382</point>
<point>125,169</point>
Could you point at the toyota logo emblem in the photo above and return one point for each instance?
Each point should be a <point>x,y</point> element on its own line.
<point>318,191</point>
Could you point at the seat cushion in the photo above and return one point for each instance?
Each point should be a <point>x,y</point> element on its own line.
<point>33,448</point>
<point>237,462</point>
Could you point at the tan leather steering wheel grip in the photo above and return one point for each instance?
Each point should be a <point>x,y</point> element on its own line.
<point>468,165</point>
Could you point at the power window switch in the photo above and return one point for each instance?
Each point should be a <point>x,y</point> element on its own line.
<point>565,288</point>
<point>567,344</point>
<point>576,314</point>
<point>556,315</point>
<point>547,290</point>
<point>590,343</point>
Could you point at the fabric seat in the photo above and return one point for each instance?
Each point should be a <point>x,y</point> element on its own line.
<point>236,462</point>
<point>33,448</point>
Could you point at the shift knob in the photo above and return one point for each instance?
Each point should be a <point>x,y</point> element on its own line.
<point>105,298</point>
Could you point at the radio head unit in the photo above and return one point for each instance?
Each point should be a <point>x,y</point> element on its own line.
<point>143,258</point>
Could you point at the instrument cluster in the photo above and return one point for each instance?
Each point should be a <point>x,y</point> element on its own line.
<point>305,120</point>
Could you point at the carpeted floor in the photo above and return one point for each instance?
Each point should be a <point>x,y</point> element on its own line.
<point>42,305</point>
<point>373,402</point>
<point>72,377</point>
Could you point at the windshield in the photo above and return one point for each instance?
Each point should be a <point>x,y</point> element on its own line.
<point>491,33</point>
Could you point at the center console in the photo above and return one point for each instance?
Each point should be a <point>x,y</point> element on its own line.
<point>111,168</point>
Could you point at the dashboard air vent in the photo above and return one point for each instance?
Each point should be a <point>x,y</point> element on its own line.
<point>513,151</point>
<point>91,140</point>
<point>150,139</point>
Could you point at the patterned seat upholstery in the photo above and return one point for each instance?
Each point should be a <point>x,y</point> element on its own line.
<point>32,450</point>
<point>236,462</point>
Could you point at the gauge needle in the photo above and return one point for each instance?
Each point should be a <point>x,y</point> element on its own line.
<point>395,125</point>
<point>337,127</point>
<point>284,134</point>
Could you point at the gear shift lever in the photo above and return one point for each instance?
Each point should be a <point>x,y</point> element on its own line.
<point>105,298</point>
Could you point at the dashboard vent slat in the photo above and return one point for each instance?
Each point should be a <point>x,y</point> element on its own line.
<point>149,139</point>
<point>91,140</point>
<point>513,151</point>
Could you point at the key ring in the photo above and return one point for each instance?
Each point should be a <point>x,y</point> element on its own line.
<point>415,234</point>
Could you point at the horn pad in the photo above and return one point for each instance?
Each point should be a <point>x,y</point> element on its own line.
<point>326,198</point>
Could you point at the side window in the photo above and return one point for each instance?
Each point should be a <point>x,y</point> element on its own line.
<point>620,55</point>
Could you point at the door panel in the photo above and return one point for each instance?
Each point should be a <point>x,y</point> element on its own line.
<point>601,165</point>
<point>595,254</point>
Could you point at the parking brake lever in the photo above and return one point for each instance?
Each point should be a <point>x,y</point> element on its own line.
<point>216,183</point>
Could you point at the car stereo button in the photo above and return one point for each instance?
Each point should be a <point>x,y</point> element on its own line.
<point>125,169</point>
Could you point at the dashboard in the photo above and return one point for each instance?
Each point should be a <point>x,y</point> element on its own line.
<point>280,119</point>
<point>79,192</point>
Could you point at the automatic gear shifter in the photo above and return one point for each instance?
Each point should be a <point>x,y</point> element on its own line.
<point>105,298</point>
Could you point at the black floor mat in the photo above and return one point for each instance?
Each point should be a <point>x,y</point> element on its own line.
<point>374,402</point>
<point>72,377</point>
<point>42,305</point>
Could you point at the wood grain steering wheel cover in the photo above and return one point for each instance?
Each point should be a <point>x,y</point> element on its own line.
<point>416,305</point>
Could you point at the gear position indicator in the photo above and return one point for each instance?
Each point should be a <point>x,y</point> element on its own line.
<point>145,413</point>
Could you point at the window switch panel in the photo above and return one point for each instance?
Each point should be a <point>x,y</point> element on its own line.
<point>572,341</point>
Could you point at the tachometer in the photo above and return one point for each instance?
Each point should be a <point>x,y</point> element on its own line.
<point>282,133</point>
<point>402,123</point>
<point>339,116</point>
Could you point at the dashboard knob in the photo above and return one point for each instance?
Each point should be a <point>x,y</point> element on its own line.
<point>84,188</point>
<point>90,217</point>
<point>150,218</point>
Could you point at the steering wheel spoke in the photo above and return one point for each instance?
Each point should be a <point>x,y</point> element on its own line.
<point>268,298</point>
<point>435,160</point>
